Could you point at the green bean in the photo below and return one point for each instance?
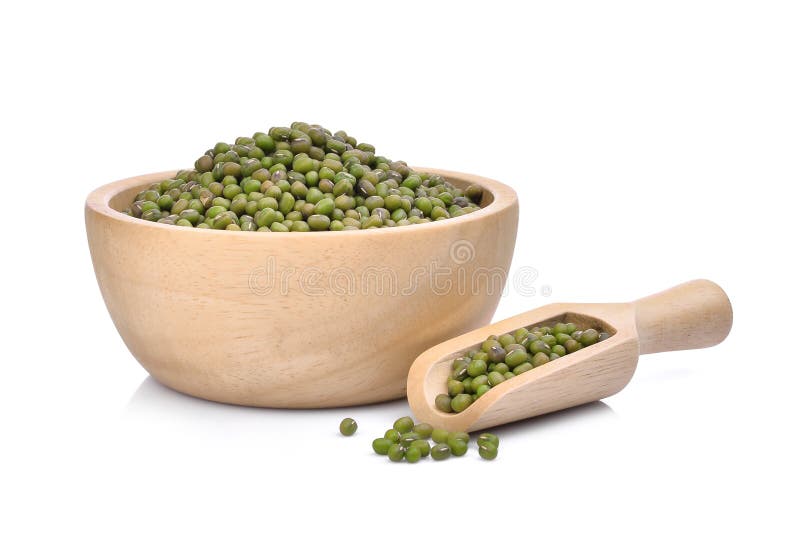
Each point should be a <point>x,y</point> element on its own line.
<point>381,445</point>
<point>424,430</point>
<point>443,402</point>
<point>439,435</point>
<point>404,424</point>
<point>487,437</point>
<point>457,447</point>
<point>348,426</point>
<point>440,451</point>
<point>392,435</point>
<point>423,446</point>
<point>487,451</point>
<point>413,454</point>
<point>396,452</point>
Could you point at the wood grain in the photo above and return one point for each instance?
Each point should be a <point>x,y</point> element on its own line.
<point>194,307</point>
<point>696,314</point>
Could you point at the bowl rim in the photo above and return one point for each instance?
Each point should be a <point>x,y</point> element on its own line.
<point>98,202</point>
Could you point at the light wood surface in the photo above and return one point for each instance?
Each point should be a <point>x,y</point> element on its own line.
<point>693,315</point>
<point>193,308</point>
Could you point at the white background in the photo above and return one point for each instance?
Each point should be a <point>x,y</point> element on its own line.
<point>650,143</point>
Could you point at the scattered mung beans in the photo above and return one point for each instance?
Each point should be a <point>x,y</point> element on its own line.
<point>411,441</point>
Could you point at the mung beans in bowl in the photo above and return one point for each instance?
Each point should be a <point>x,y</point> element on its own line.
<point>310,276</point>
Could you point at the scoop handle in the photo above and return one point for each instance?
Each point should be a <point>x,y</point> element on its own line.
<point>693,315</point>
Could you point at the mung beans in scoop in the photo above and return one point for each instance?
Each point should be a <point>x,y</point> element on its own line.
<point>504,357</point>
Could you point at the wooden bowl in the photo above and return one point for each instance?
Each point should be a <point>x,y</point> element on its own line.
<point>296,320</point>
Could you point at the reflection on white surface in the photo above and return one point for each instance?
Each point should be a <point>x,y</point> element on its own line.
<point>671,376</point>
<point>595,412</point>
<point>153,398</point>
<point>155,404</point>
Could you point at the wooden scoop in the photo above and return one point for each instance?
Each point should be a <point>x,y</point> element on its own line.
<point>693,315</point>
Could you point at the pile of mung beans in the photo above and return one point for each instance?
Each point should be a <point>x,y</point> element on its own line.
<point>502,358</point>
<point>409,441</point>
<point>297,179</point>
